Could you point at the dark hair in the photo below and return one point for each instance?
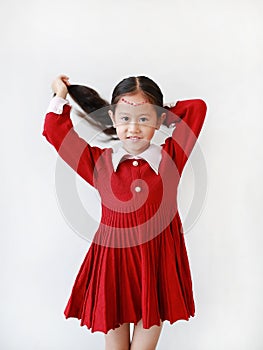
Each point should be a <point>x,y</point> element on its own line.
<point>90,101</point>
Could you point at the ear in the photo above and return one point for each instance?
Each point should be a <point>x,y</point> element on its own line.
<point>111,115</point>
<point>160,121</point>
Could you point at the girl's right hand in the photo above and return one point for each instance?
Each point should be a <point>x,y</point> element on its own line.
<point>59,86</point>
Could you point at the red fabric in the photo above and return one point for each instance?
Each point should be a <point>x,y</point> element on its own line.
<point>137,265</point>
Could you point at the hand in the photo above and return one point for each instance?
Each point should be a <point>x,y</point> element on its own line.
<point>59,85</point>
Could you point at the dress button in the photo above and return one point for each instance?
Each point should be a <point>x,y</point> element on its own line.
<point>135,163</point>
<point>138,189</point>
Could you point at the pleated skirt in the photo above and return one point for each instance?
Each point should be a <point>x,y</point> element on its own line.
<point>149,281</point>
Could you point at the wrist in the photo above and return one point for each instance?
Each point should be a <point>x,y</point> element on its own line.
<point>61,93</point>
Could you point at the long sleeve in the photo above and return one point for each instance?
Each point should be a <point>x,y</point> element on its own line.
<point>59,131</point>
<point>188,116</point>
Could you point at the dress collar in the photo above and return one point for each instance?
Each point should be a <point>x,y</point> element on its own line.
<point>152,155</point>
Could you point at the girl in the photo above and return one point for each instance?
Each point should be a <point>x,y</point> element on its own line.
<point>136,269</point>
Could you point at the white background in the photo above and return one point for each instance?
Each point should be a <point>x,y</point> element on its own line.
<point>206,49</point>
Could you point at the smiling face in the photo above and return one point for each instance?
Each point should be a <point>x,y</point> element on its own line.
<point>135,120</point>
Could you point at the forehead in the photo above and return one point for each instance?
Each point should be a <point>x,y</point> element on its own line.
<point>134,104</point>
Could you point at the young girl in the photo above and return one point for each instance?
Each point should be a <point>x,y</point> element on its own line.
<point>136,269</point>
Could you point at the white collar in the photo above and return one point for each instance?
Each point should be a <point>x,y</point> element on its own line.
<point>152,155</point>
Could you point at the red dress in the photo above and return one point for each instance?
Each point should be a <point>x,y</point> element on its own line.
<point>137,265</point>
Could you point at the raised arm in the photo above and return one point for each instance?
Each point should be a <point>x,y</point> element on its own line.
<point>188,117</point>
<point>59,131</point>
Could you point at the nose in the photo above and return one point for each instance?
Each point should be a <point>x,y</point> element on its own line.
<point>134,127</point>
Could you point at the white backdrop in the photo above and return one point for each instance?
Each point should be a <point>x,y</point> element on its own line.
<point>206,49</point>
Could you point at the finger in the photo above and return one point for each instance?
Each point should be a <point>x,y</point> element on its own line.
<point>63,77</point>
<point>65,81</point>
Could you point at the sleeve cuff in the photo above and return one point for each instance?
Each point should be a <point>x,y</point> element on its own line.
<point>56,105</point>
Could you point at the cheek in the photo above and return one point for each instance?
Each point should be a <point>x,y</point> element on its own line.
<point>150,132</point>
<point>120,132</point>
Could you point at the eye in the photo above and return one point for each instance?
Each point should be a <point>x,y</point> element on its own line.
<point>143,119</point>
<point>124,118</point>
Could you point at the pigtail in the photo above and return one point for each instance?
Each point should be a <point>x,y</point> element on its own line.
<point>90,101</point>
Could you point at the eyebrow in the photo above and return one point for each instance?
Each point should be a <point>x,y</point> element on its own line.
<point>139,114</point>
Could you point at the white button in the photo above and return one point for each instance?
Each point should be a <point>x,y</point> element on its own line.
<point>135,163</point>
<point>138,189</point>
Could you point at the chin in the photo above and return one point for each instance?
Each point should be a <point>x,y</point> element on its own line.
<point>136,148</point>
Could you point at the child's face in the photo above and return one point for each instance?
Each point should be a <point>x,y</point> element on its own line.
<point>135,120</point>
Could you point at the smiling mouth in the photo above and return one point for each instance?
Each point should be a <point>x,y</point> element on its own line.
<point>133,138</point>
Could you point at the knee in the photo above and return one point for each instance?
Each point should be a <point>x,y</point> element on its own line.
<point>142,347</point>
<point>119,338</point>
<point>117,347</point>
<point>145,339</point>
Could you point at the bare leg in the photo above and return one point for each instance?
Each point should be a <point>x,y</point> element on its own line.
<point>145,339</point>
<point>119,338</point>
